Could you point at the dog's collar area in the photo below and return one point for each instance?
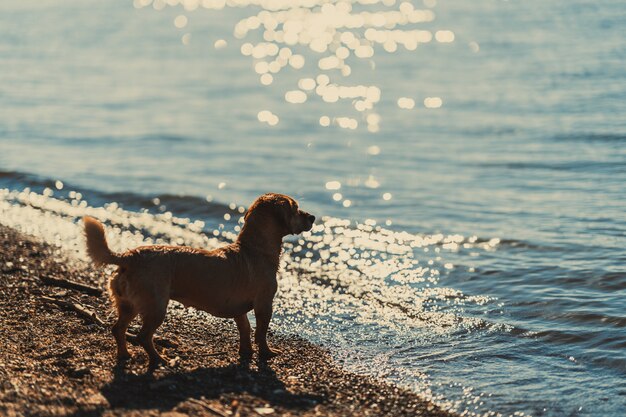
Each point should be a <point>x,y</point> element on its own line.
<point>272,255</point>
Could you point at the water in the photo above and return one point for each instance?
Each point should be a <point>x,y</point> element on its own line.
<point>473,252</point>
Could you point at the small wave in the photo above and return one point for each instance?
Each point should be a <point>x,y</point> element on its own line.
<point>573,166</point>
<point>605,281</point>
<point>591,137</point>
<point>18,179</point>
<point>166,138</point>
<point>184,205</point>
<point>584,317</point>
<point>523,244</point>
<point>11,174</point>
<point>141,139</point>
<point>606,352</point>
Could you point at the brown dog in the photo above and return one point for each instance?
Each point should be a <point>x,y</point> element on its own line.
<point>226,282</point>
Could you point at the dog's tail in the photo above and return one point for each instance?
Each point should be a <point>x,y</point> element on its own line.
<point>97,247</point>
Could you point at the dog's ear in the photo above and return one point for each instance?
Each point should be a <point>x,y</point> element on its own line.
<point>287,211</point>
<point>281,210</point>
<point>285,216</point>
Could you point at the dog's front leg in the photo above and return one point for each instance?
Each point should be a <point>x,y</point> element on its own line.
<point>245,345</point>
<point>263,314</point>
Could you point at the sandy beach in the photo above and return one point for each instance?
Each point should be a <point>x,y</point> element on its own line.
<point>58,357</point>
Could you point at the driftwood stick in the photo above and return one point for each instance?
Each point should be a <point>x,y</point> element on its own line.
<point>207,407</point>
<point>73,285</point>
<point>132,338</point>
<point>82,311</point>
<point>91,315</point>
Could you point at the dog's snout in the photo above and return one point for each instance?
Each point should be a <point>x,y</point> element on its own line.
<point>311,218</point>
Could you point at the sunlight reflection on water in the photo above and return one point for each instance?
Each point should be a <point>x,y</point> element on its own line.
<point>289,33</point>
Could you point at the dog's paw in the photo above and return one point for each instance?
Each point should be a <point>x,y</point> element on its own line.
<point>123,358</point>
<point>268,353</point>
<point>155,361</point>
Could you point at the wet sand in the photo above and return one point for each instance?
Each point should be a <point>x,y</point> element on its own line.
<point>57,361</point>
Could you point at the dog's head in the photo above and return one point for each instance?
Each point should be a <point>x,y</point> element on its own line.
<point>281,210</point>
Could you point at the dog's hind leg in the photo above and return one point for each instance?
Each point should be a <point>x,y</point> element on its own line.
<point>151,321</point>
<point>245,345</point>
<point>126,313</point>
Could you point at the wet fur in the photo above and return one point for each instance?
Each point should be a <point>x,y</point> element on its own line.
<point>227,282</point>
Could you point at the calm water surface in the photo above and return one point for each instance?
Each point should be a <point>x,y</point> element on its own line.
<point>474,251</point>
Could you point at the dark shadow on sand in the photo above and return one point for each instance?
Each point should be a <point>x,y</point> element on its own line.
<point>145,391</point>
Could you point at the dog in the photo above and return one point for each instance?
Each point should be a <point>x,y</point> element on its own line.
<point>226,282</point>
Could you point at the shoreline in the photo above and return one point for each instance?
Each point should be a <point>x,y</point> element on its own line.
<point>59,360</point>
